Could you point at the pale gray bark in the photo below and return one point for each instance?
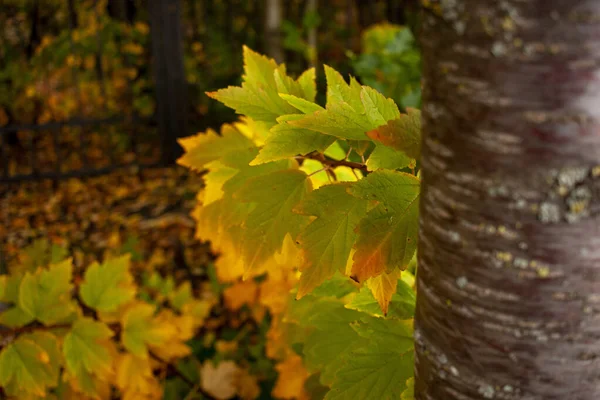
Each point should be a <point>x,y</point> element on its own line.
<point>273,19</point>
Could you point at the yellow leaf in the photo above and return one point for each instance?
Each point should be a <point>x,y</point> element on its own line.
<point>219,381</point>
<point>239,294</point>
<point>290,382</point>
<point>135,378</point>
<point>184,329</point>
<point>141,329</point>
<point>247,385</point>
<point>383,287</point>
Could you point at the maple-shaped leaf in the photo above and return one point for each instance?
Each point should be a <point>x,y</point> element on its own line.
<point>180,296</point>
<point>40,253</point>
<point>258,97</point>
<point>381,369</point>
<point>409,392</point>
<point>135,379</point>
<point>387,236</point>
<point>141,330</point>
<point>108,285</point>
<point>401,305</point>
<point>394,335</point>
<point>218,174</point>
<point>338,91</point>
<point>369,374</point>
<point>203,148</point>
<point>87,352</point>
<point>219,381</point>
<point>46,295</point>
<point>183,329</point>
<point>308,83</point>
<point>364,110</point>
<point>326,243</point>
<point>339,120</point>
<point>275,195</point>
<point>286,140</point>
<point>378,108</point>
<point>26,368</point>
<point>383,286</point>
<point>383,157</point>
<point>239,294</point>
<point>329,345</point>
<point>307,107</point>
<point>292,375</point>
<point>402,134</point>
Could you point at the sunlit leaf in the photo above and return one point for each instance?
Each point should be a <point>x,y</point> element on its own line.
<point>327,241</point>
<point>387,236</point>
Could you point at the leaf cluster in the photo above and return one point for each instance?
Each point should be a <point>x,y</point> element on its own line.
<point>70,334</point>
<point>336,185</point>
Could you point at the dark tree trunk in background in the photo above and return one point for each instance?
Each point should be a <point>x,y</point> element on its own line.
<point>509,254</point>
<point>273,14</point>
<point>169,75</point>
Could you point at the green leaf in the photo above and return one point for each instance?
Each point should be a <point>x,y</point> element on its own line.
<point>338,91</point>
<point>402,305</point>
<point>286,141</point>
<point>402,134</point>
<point>46,296</point>
<point>328,240</point>
<point>275,195</point>
<point>387,236</point>
<point>181,295</point>
<point>258,97</point>
<point>307,107</point>
<point>307,82</point>
<point>339,120</point>
<point>49,343</point>
<point>384,157</point>
<point>15,317</point>
<point>379,109</point>
<point>328,348</point>
<point>26,368</point>
<point>378,375</point>
<point>108,285</point>
<point>140,331</point>
<point>392,334</point>
<point>86,352</point>
<point>409,393</point>
<point>203,148</point>
<point>41,254</point>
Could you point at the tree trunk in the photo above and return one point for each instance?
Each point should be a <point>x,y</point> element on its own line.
<point>273,21</point>
<point>311,37</point>
<point>509,254</point>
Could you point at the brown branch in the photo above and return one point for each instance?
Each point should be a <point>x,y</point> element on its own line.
<point>334,163</point>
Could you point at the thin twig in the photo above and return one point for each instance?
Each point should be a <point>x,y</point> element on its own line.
<point>333,163</point>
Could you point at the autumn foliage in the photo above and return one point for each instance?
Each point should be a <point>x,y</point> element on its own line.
<point>317,203</point>
<point>312,211</point>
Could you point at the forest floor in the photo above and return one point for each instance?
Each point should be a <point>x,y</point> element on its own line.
<point>143,212</point>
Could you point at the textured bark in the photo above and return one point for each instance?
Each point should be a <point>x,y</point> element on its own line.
<point>509,254</point>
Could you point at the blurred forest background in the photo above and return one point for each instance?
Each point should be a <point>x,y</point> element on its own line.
<point>91,86</point>
<point>93,97</point>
